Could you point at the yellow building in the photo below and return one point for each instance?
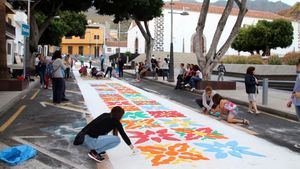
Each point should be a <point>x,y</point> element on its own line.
<point>91,44</point>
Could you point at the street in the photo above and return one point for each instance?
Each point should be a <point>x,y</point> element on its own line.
<point>51,128</point>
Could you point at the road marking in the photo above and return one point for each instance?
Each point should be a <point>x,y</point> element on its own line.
<point>48,153</point>
<point>73,105</point>
<point>64,107</point>
<point>69,91</point>
<point>35,94</point>
<point>75,92</point>
<point>279,117</point>
<point>12,118</point>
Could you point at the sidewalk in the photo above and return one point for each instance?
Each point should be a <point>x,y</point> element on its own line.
<point>9,98</point>
<point>276,101</point>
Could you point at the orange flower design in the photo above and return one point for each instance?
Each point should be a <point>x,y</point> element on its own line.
<point>171,154</point>
<point>138,124</point>
<point>127,108</point>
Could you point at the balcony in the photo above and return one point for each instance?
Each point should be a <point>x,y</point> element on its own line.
<point>10,31</point>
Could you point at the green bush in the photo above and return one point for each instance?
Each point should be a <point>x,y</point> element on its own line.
<point>291,58</point>
<point>235,60</point>
<point>274,60</point>
<point>255,59</point>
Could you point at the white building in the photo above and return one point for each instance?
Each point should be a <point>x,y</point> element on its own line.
<point>112,47</point>
<point>15,41</point>
<point>20,18</point>
<point>185,28</point>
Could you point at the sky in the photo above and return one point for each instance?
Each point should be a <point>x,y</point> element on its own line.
<point>290,2</point>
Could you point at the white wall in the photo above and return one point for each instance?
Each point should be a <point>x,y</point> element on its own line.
<point>114,50</point>
<point>19,18</point>
<point>185,28</point>
<point>136,33</point>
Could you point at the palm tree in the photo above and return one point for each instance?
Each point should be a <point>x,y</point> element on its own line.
<point>3,58</point>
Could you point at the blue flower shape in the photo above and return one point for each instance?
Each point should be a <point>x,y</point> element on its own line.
<point>107,92</point>
<point>180,122</point>
<point>230,148</point>
<point>154,108</point>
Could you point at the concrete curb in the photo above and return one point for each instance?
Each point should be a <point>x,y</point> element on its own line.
<point>240,102</point>
<point>12,102</point>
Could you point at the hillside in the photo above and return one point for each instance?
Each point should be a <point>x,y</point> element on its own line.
<point>293,12</point>
<point>91,14</point>
<point>260,5</point>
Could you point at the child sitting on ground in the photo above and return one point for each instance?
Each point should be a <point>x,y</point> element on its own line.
<point>97,74</point>
<point>83,71</point>
<point>228,109</point>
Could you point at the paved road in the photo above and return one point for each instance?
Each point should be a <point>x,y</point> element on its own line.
<point>278,130</point>
<point>49,129</point>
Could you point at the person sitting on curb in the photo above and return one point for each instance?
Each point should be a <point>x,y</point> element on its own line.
<point>196,78</point>
<point>95,135</point>
<point>227,108</point>
<point>295,98</point>
<point>206,101</point>
<point>180,76</point>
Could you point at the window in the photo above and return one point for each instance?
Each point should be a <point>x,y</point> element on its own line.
<point>96,37</point>
<point>9,49</point>
<point>9,20</point>
<point>68,37</point>
<point>82,37</point>
<point>70,50</point>
<point>109,50</point>
<point>80,49</point>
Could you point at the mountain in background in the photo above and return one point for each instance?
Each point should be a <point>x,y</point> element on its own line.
<point>293,12</point>
<point>92,15</point>
<point>259,5</point>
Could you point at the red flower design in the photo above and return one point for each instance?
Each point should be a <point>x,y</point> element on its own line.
<point>165,114</point>
<point>156,136</point>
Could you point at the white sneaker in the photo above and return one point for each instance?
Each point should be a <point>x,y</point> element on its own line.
<point>297,146</point>
<point>187,85</point>
<point>250,111</point>
<point>193,89</point>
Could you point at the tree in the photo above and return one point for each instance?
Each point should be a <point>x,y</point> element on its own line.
<point>3,58</point>
<point>264,36</point>
<point>50,9</point>
<point>210,60</point>
<point>141,11</point>
<point>68,23</point>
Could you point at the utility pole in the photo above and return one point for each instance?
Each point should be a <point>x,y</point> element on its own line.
<point>171,64</point>
<point>119,35</point>
<point>27,41</point>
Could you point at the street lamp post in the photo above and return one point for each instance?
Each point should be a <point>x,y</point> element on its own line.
<point>26,49</point>
<point>171,64</point>
<point>119,35</point>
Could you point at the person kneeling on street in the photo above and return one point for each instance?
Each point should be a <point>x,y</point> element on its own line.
<point>227,108</point>
<point>206,101</point>
<point>95,135</point>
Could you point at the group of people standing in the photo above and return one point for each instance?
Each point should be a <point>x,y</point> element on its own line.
<point>55,70</point>
<point>158,67</point>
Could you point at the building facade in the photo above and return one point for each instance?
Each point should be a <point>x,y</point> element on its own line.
<point>90,44</point>
<point>185,29</point>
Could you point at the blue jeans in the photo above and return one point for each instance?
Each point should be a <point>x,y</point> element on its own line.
<point>102,143</point>
<point>298,112</point>
<point>194,80</point>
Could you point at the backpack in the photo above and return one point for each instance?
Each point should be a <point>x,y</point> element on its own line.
<point>50,70</point>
